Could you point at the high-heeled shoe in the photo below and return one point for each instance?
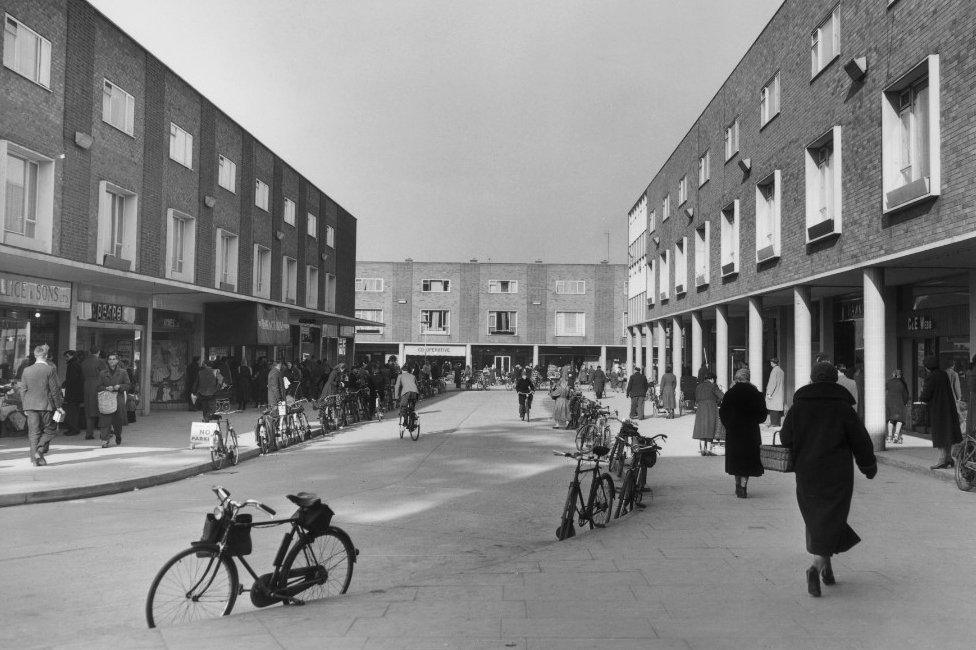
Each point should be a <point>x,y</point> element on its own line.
<point>942,465</point>
<point>813,582</point>
<point>828,574</point>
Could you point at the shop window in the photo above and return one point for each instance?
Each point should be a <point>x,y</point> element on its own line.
<point>13,343</point>
<point>704,168</point>
<point>289,212</point>
<point>571,286</point>
<point>312,225</point>
<point>330,236</point>
<point>118,210</point>
<point>261,194</point>
<point>435,321</point>
<point>731,140</point>
<point>369,314</point>
<point>570,323</point>
<point>823,176</point>
<point>27,184</point>
<point>26,52</point>
<point>227,173</point>
<point>502,286</point>
<point>503,322</point>
<point>825,42</point>
<point>312,287</point>
<point>330,292</point>
<point>702,254</point>
<point>262,272</point>
<point>911,147</point>
<point>289,280</point>
<point>729,239</point>
<point>435,286</point>
<point>768,202</point>
<point>118,107</point>
<point>369,284</point>
<point>769,101</point>
<point>181,243</point>
<point>664,275</point>
<point>226,275</point>
<point>681,267</point>
<point>180,146</point>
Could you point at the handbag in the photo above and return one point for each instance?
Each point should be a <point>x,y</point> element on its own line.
<point>776,458</point>
<point>108,403</point>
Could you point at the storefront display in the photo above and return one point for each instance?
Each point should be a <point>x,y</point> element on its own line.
<point>31,313</point>
<point>172,352</point>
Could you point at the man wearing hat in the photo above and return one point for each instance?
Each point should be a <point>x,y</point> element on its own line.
<point>636,391</point>
<point>943,415</point>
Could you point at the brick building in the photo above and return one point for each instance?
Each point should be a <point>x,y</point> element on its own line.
<point>822,203</point>
<point>495,314</point>
<point>138,217</point>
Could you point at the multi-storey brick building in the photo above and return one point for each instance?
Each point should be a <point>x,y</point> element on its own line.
<point>496,314</point>
<point>139,217</point>
<point>822,203</point>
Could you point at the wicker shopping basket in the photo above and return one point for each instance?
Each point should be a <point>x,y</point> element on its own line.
<point>776,458</point>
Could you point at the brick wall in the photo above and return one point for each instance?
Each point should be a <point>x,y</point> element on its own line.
<point>345,263</point>
<point>78,54</point>
<point>152,212</point>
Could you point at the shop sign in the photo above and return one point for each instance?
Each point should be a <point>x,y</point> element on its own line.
<point>21,290</point>
<point>920,323</point>
<point>273,326</point>
<point>101,311</point>
<point>306,332</point>
<point>202,434</point>
<point>171,322</point>
<point>347,331</point>
<point>852,310</point>
<point>434,350</point>
<point>330,331</point>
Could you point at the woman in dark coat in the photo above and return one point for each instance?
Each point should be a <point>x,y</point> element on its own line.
<point>943,414</point>
<point>74,392</point>
<point>243,386</point>
<point>824,432</point>
<point>743,410</point>
<point>91,370</point>
<point>708,396</point>
<point>115,380</point>
<point>896,397</point>
<point>668,385</point>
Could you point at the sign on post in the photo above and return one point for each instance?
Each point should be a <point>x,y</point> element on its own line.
<point>202,434</point>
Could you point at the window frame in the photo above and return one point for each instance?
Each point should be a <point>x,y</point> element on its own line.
<point>361,285</point>
<point>43,54</point>
<point>681,267</point>
<point>704,168</point>
<point>446,329</point>
<point>818,61</point>
<point>666,207</point>
<point>105,239</point>
<point>765,117</point>
<point>288,208</point>
<point>223,162</point>
<point>819,226</point>
<point>664,274</point>
<point>329,236</point>
<point>312,225</point>
<point>289,280</point>
<point>730,242</point>
<point>232,256</point>
<point>129,119</point>
<point>579,284</point>
<point>650,283</point>
<point>512,286</point>
<point>261,281</point>
<point>683,190</point>
<point>512,320</point>
<point>175,133</point>
<point>369,329</point>
<point>188,271</point>
<point>259,193</point>
<point>731,133</point>
<point>426,285</point>
<point>775,217</point>
<point>703,254</point>
<point>576,334</point>
<point>311,295</point>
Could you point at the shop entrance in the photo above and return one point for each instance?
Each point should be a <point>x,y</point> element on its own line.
<point>503,365</point>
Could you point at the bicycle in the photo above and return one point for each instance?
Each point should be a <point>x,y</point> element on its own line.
<point>224,444</point>
<point>409,420</point>
<point>596,510</point>
<point>525,406</point>
<point>643,456</point>
<point>965,461</point>
<point>298,424</point>
<point>595,425</point>
<point>264,429</point>
<point>626,436</point>
<point>314,558</point>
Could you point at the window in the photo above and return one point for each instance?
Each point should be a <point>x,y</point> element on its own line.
<point>289,280</point>
<point>729,239</point>
<point>570,323</point>
<point>666,207</point>
<point>289,212</point>
<point>117,226</point>
<point>226,261</point>
<point>227,173</point>
<point>768,217</point>
<point>26,52</point>
<point>435,321</point>
<point>502,286</point>
<point>502,322</point>
<point>682,190</point>
<point>703,244</point>
<point>823,185</point>
<point>681,267</point>
<point>369,284</point>
<point>911,146</point>
<point>704,168</point>
<point>312,225</point>
<point>435,285</point>
<point>664,275</point>
<point>651,287</point>
<point>118,107</point>
<point>330,292</point>
<point>652,221</point>
<point>261,193</point>
<point>28,197</point>
<point>769,101</point>
<point>262,272</point>
<point>825,42</point>
<point>571,286</point>
<point>330,236</point>
<point>180,146</point>
<point>20,216</point>
<point>180,246</point>
<point>312,287</point>
<point>369,314</point>
<point>731,140</point>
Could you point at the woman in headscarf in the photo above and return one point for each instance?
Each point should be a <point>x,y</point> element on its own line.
<point>669,383</point>
<point>561,393</point>
<point>896,397</point>
<point>943,414</point>
<point>707,396</point>
<point>743,410</point>
<point>823,432</point>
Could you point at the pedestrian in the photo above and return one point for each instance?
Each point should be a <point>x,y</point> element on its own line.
<point>275,385</point>
<point>74,392</point>
<point>113,379</point>
<point>205,388</point>
<point>637,392</point>
<point>599,382</point>
<point>525,390</point>
<point>91,371</point>
<point>41,397</point>
<point>190,377</point>
<point>331,386</point>
<point>896,400</point>
<point>822,432</point>
<point>689,388</point>
<point>669,383</point>
<point>708,396</point>
<point>775,393</point>
<point>943,415</point>
<point>845,380</point>
<point>260,381</point>
<point>243,386</point>
<point>561,393</point>
<point>956,385</point>
<point>743,410</point>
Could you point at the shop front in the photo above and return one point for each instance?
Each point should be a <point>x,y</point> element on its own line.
<point>248,331</point>
<point>560,355</point>
<point>113,327</point>
<point>378,352</point>
<point>32,311</point>
<point>435,354</point>
<point>173,348</point>
<point>501,357</point>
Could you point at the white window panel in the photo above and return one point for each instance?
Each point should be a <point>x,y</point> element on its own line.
<point>262,272</point>
<point>503,322</point>
<point>312,225</point>
<point>769,100</point>
<point>118,107</point>
<point>436,286</point>
<point>704,168</point>
<point>651,278</point>
<point>312,287</point>
<point>225,273</point>
<point>180,146</point>
<point>330,292</point>
<point>731,140</point>
<point>652,221</point>
<point>289,280</point>
<point>435,321</point>
<point>664,275</point>
<point>261,195</point>
<point>26,52</point>
<point>703,243</point>
<point>666,207</point>
<point>570,323</point>
<point>369,284</point>
<point>227,173</point>
<point>180,246</point>
<point>768,207</point>
<point>369,314</point>
<point>825,42</point>
<point>26,197</point>
<point>118,210</point>
<point>330,236</point>
<point>823,185</point>
<point>289,212</point>
<point>682,190</point>
<point>729,239</point>
<point>571,286</point>
<point>681,266</point>
<point>502,286</point>
<point>637,220</point>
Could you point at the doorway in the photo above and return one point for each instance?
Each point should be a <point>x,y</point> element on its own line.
<point>503,365</point>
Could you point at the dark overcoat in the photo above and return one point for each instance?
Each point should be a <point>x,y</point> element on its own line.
<point>74,383</point>
<point>637,385</point>
<point>599,381</point>
<point>91,371</point>
<point>896,396</point>
<point>668,385</point>
<point>943,415</point>
<point>118,377</point>
<point>743,410</point>
<point>707,397</point>
<point>824,432</point>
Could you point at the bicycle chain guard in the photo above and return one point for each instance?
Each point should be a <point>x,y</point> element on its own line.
<point>260,592</point>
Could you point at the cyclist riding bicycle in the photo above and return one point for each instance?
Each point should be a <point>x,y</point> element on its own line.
<point>525,389</point>
<point>405,391</point>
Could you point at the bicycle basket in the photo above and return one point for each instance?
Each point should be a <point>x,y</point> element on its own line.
<point>213,529</point>
<point>315,519</point>
<point>647,458</point>
<point>239,537</point>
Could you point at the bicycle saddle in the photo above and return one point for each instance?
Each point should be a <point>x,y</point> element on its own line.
<point>305,499</point>
<point>600,450</point>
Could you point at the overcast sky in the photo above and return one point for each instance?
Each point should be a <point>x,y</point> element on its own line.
<point>456,129</point>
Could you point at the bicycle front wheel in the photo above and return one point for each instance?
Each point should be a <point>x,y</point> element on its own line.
<point>216,452</point>
<point>584,437</point>
<point>325,563</point>
<point>626,501</point>
<point>233,449</point>
<point>601,503</point>
<point>195,584</point>
<point>965,476</point>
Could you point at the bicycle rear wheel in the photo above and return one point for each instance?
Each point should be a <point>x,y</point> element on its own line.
<point>262,436</point>
<point>195,584</point>
<point>601,505</point>
<point>639,483</point>
<point>584,437</point>
<point>325,562</point>
<point>415,432</point>
<point>966,477</point>
<point>216,452</point>
<point>626,501</point>
<point>233,450</point>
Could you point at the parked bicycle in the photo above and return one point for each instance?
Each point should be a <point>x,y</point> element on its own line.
<point>596,425</point>
<point>643,454</point>
<point>223,446</point>
<point>315,559</point>
<point>595,510</point>
<point>965,459</point>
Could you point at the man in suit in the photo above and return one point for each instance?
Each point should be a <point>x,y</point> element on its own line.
<point>636,391</point>
<point>276,389</point>
<point>41,389</point>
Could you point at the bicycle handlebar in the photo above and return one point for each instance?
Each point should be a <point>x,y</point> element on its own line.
<point>224,495</point>
<point>576,456</point>
<point>226,413</point>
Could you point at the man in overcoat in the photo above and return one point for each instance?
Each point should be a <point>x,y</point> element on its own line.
<point>774,393</point>
<point>637,391</point>
<point>599,382</point>
<point>943,414</point>
<point>41,390</point>
<point>91,371</point>
<point>74,392</point>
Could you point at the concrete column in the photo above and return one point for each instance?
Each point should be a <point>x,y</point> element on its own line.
<point>874,356</point>
<point>722,347</point>
<point>696,342</point>
<point>400,354</point>
<point>145,363</point>
<point>802,335</point>
<point>638,346</point>
<point>676,346</point>
<point>630,352</point>
<point>972,316</point>
<point>603,356</point>
<point>755,342</point>
<point>662,350</point>
<point>649,351</point>
<point>467,354</point>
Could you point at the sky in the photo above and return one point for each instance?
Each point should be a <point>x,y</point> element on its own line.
<point>502,130</point>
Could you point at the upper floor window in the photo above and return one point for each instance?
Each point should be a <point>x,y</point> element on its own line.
<point>373,315</point>
<point>768,206</point>
<point>226,258</point>
<point>369,284</point>
<point>704,168</point>
<point>571,286</point>
<point>330,292</point>
<point>330,236</point>
<point>682,190</point>
<point>117,226</point>
<point>651,282</point>
<point>26,52</point>
<point>769,100</point>
<point>28,203</point>
<point>262,271</point>
<point>289,280</point>
<point>435,321</point>
<point>652,221</point>
<point>118,107</point>
<point>823,185</point>
<point>731,140</point>
<point>702,254</point>
<point>681,266</point>
<point>227,173</point>
<point>435,285</point>
<point>503,322</point>
<point>729,239</point>
<point>664,274</point>
<point>180,246</point>
<point>261,195</point>
<point>570,323</point>
<point>666,207</point>
<point>312,225</point>
<point>502,286</point>
<point>180,146</point>
<point>312,287</point>
<point>825,42</point>
<point>289,212</point>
